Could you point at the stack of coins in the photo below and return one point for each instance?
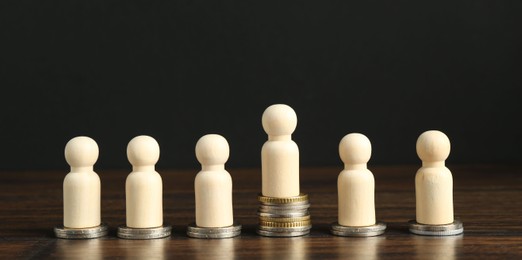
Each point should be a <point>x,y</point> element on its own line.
<point>213,232</point>
<point>284,217</point>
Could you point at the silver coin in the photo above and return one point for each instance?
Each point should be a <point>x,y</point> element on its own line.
<point>283,214</point>
<point>366,231</point>
<point>451,229</point>
<point>285,207</point>
<point>285,229</point>
<point>282,234</point>
<point>213,232</point>
<point>144,233</point>
<point>81,233</point>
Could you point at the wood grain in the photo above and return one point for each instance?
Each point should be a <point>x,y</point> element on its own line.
<point>487,200</point>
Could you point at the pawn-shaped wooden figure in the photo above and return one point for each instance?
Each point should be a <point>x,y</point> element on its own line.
<point>213,191</point>
<point>81,192</point>
<point>280,154</point>
<point>144,192</point>
<point>434,188</point>
<point>283,210</point>
<point>356,190</point>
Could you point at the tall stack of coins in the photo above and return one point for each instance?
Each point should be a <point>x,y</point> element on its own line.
<point>284,217</point>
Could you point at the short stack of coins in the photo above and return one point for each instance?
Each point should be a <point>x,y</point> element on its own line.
<point>284,217</point>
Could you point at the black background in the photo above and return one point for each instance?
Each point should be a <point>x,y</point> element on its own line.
<point>176,70</point>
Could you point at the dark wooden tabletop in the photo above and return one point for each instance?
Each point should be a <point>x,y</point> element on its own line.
<point>487,200</point>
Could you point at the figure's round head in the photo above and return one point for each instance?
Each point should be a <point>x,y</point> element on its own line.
<point>355,148</point>
<point>433,146</point>
<point>279,119</point>
<point>212,149</point>
<point>143,150</point>
<point>81,151</point>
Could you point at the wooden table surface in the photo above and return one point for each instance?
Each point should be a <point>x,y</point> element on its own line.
<point>487,200</point>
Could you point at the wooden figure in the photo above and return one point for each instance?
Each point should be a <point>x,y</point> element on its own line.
<point>81,186</point>
<point>434,188</point>
<point>144,192</point>
<point>213,184</point>
<point>433,181</point>
<point>280,154</point>
<point>356,190</point>
<point>81,192</point>
<point>144,186</point>
<point>213,191</point>
<point>356,184</point>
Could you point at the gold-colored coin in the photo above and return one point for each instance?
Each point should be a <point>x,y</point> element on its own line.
<point>273,200</point>
<point>284,220</point>
<point>285,224</point>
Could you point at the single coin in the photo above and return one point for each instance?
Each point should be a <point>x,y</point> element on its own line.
<point>284,207</point>
<point>213,232</point>
<point>285,224</point>
<point>365,231</point>
<point>302,198</point>
<point>451,229</point>
<point>144,233</point>
<point>283,214</point>
<point>286,229</point>
<point>81,233</point>
<point>282,234</point>
<point>284,220</point>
